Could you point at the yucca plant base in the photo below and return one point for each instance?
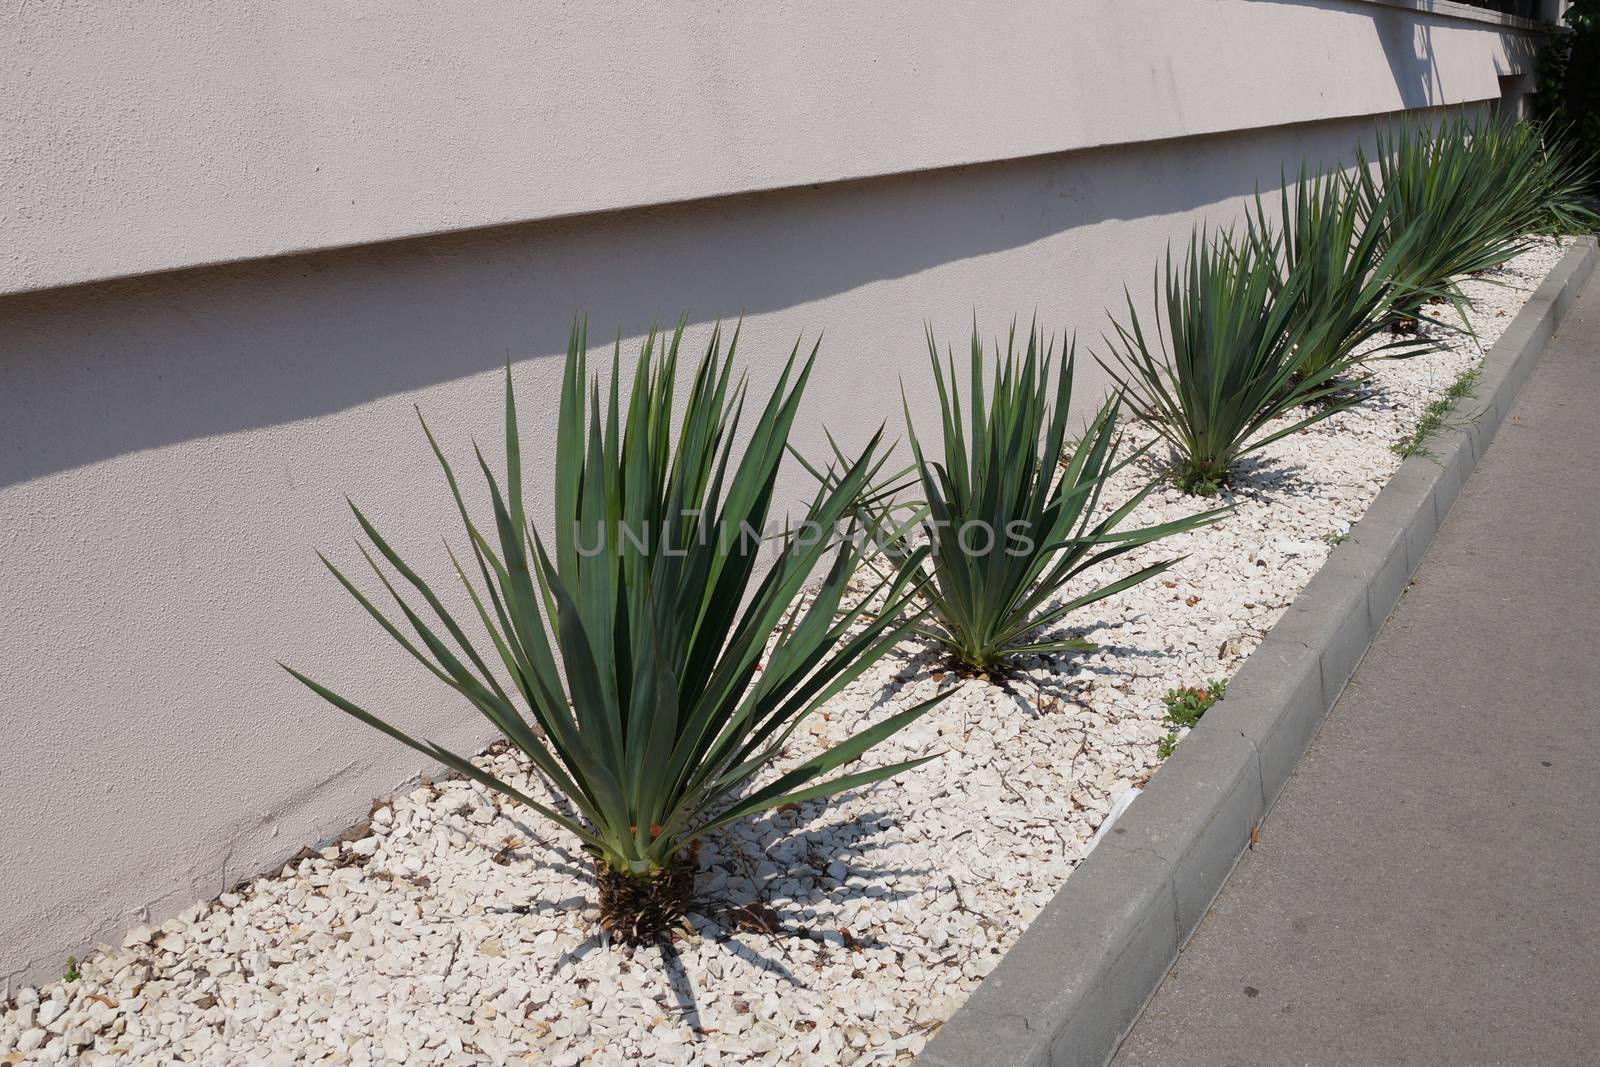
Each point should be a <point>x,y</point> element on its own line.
<point>641,909</point>
<point>1203,479</point>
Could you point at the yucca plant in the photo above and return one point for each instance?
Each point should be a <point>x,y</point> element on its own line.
<point>1007,524</point>
<point>1440,186</point>
<point>1330,238</point>
<point>1460,198</point>
<point>1231,355</point>
<point>1566,182</point>
<point>663,666</point>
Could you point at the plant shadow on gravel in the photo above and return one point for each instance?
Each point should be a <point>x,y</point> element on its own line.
<point>1272,478</point>
<point>740,851</point>
<point>739,922</point>
<point>805,857</point>
<point>745,904</point>
<point>682,987</point>
<point>1041,685</point>
<point>930,662</point>
<point>679,981</point>
<point>1359,390</point>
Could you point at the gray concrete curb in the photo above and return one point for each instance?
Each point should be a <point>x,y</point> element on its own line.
<point>1074,983</point>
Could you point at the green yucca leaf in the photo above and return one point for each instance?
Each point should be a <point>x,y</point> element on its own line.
<point>627,659</point>
<point>1232,353</point>
<point>1007,528</point>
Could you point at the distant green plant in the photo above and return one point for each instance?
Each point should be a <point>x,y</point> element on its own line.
<point>1461,197</point>
<point>1568,96</point>
<point>1231,355</point>
<point>1011,507</point>
<point>686,662</point>
<point>1427,188</point>
<point>1185,707</point>
<point>1566,182</point>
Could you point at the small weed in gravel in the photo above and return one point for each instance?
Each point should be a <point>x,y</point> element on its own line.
<point>1433,416</point>
<point>1185,706</point>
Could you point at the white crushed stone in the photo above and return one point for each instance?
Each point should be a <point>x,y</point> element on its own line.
<point>459,932</point>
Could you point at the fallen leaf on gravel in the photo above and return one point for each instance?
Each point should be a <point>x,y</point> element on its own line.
<point>757,918</point>
<point>502,855</point>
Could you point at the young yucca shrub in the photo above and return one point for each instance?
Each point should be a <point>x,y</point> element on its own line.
<point>1230,355</point>
<point>664,668</point>
<point>1007,528</point>
<point>1461,197</point>
<point>1440,192</point>
<point>1334,242</point>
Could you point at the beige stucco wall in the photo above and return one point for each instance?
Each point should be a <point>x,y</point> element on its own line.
<point>173,446</point>
<point>171,133</point>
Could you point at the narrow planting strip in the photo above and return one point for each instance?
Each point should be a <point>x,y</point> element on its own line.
<point>1073,984</point>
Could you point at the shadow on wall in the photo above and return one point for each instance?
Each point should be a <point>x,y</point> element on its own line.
<point>101,370</point>
<point>1408,47</point>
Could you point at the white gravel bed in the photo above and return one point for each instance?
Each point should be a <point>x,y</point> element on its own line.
<point>457,932</point>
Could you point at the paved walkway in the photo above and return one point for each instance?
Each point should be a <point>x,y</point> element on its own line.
<point>1427,890</point>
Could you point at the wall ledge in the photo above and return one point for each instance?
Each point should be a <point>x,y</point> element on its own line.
<point>1467,12</point>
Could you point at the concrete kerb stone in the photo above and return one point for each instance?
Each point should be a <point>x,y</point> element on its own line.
<point>1377,555</point>
<point>1277,707</point>
<point>1406,504</point>
<point>1454,464</point>
<point>1074,983</point>
<point>1066,968</point>
<point>1332,618</point>
<point>1480,431</point>
<point>1199,819</point>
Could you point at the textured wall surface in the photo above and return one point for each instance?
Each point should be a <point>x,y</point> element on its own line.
<point>173,446</point>
<point>172,133</point>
